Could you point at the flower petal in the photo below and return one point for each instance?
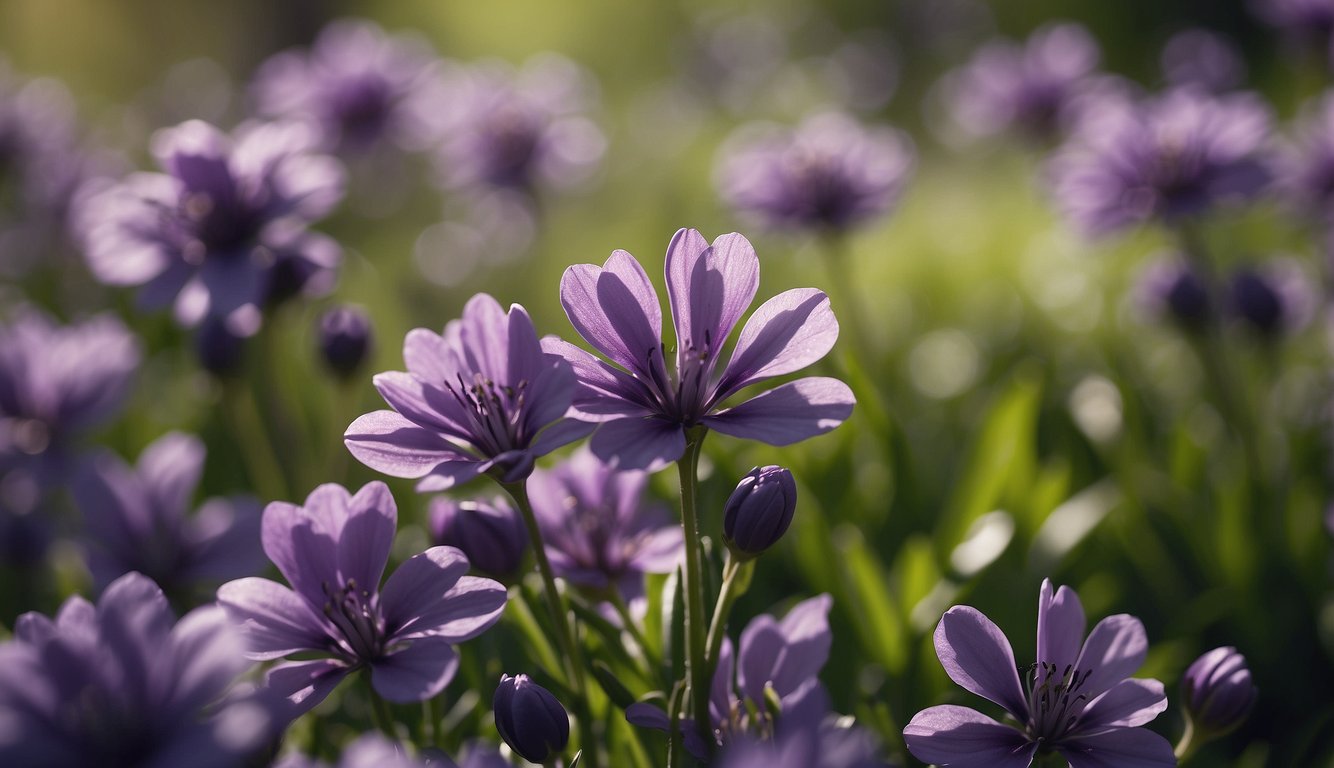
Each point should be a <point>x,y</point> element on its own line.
<point>485,333</point>
<point>170,469</point>
<point>1119,748</point>
<point>389,443</point>
<point>418,402</point>
<point>1129,703</point>
<point>430,595</point>
<point>274,620</point>
<point>1113,651</point>
<point>304,684</point>
<point>417,672</point>
<point>1060,626</point>
<point>615,309</point>
<point>977,656</point>
<point>604,390</point>
<point>710,287</point>
<point>365,539</point>
<point>427,357</point>
<point>561,433</point>
<point>787,333</point>
<point>646,443</point>
<point>959,737</point>
<point>789,414</point>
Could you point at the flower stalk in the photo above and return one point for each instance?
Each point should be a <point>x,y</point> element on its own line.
<point>736,580</point>
<point>696,662</point>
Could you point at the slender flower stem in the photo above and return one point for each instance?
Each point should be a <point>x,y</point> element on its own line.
<point>618,602</point>
<point>252,441</point>
<point>574,663</point>
<point>696,663</point>
<point>379,709</point>
<point>1186,747</point>
<point>736,579</point>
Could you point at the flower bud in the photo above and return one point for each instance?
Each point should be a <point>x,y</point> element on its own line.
<point>530,719</point>
<point>1218,692</point>
<point>1171,288</point>
<point>759,511</point>
<point>491,534</point>
<point>345,339</point>
<point>1257,301</point>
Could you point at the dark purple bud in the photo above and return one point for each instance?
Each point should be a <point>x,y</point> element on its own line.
<point>491,534</point>
<point>1218,692</point>
<point>530,719</point>
<point>345,339</point>
<point>1257,301</point>
<point>759,511</point>
<point>1170,287</point>
<point>221,351</point>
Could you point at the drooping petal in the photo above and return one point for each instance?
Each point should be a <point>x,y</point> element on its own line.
<point>647,443</point>
<point>1113,651</point>
<point>365,539</point>
<point>959,737</point>
<point>389,443</point>
<point>417,672</point>
<point>274,620</point>
<point>304,684</point>
<point>788,414</point>
<point>1119,748</point>
<point>787,333</point>
<point>1127,704</point>
<point>977,656</point>
<point>1060,626</point>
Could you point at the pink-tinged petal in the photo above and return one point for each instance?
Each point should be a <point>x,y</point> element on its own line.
<point>417,402</point>
<point>787,333</point>
<point>274,620</point>
<point>304,684</point>
<point>561,433</point>
<point>611,310</point>
<point>1119,748</point>
<point>170,468</point>
<point>959,737</point>
<point>639,443</point>
<point>1129,703</point>
<point>977,656</point>
<point>389,443</point>
<point>788,414</point>
<point>428,358</point>
<point>364,542</point>
<point>1113,651</point>
<point>418,671</point>
<point>1060,626</point>
<point>485,334</point>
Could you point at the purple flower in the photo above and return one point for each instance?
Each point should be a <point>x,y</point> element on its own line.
<point>224,229</point>
<point>1079,702</point>
<point>828,174</point>
<point>137,519</point>
<point>518,129</point>
<point>645,410</point>
<point>345,339</point>
<point>1033,89</point>
<point>1272,299</point>
<point>1166,158</point>
<point>481,398</point>
<point>490,533</point>
<point>122,684</point>
<point>56,382</point>
<point>824,744</point>
<point>1169,287</point>
<point>1198,57</point>
<point>1305,166</point>
<point>357,85</point>
<point>530,719</point>
<point>1310,22</point>
<point>784,656</point>
<point>1218,692</point>
<point>598,529</point>
<point>333,552</point>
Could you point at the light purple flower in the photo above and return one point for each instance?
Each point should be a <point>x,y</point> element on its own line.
<point>520,129</point>
<point>490,532</point>
<point>123,684</point>
<point>1166,158</point>
<point>830,173</point>
<point>1274,298</point>
<point>1198,57</point>
<point>137,519</point>
<point>333,552</point>
<point>1308,22</point>
<point>482,398</point>
<point>357,85</point>
<point>1078,703</point>
<point>644,409</point>
<point>1304,166</point>
<point>1034,89</point>
<point>224,229</point>
<point>785,656</point>
<point>57,381</point>
<point>599,530</point>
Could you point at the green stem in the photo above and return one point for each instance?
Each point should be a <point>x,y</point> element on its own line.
<point>1187,746</point>
<point>618,602</point>
<point>574,663</point>
<point>696,663</point>
<point>252,441</point>
<point>379,708</point>
<point>736,579</point>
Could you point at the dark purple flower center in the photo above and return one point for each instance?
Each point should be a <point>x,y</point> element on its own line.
<point>512,140</point>
<point>822,187</point>
<point>1055,701</point>
<point>356,615</point>
<point>495,412</point>
<point>361,107</point>
<point>688,398</point>
<point>218,225</point>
